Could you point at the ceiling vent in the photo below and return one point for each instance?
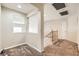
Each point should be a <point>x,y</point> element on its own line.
<point>64,13</point>
<point>59,5</point>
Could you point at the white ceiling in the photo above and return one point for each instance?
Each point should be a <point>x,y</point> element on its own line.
<point>26,7</point>
<point>50,13</point>
<point>72,8</point>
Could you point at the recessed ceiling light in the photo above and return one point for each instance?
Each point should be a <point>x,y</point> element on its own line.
<point>19,6</point>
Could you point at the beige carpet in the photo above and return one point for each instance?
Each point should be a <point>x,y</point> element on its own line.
<point>62,48</point>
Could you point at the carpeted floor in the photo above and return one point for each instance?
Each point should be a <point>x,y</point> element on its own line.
<point>62,48</point>
<point>22,50</point>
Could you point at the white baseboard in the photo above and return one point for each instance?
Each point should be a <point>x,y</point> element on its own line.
<point>14,46</point>
<point>34,47</point>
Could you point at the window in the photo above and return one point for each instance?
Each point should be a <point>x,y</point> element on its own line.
<point>33,23</point>
<point>19,26</point>
<point>17,29</point>
<point>17,22</point>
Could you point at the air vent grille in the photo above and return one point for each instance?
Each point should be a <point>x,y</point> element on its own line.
<point>64,13</point>
<point>59,5</point>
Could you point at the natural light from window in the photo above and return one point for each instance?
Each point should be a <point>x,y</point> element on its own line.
<point>17,29</point>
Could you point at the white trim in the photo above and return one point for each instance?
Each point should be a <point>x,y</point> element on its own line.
<point>78,46</point>
<point>34,47</point>
<point>14,46</point>
<point>1,50</point>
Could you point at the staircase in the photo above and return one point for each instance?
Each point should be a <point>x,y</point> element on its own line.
<point>54,36</point>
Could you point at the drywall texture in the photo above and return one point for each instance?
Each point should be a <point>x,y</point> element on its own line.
<point>9,38</point>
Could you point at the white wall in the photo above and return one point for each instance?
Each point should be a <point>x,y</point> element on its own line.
<point>8,37</point>
<point>78,29</point>
<point>34,39</point>
<point>0,26</point>
<point>72,28</point>
<point>78,25</point>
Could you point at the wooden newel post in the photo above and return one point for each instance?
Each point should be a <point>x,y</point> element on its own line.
<point>52,35</point>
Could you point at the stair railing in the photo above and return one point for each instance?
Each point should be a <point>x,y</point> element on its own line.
<point>50,35</point>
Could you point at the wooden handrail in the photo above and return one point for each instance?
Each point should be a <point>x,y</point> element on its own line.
<point>50,33</point>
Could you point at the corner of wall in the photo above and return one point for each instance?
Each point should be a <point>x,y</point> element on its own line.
<point>0,27</point>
